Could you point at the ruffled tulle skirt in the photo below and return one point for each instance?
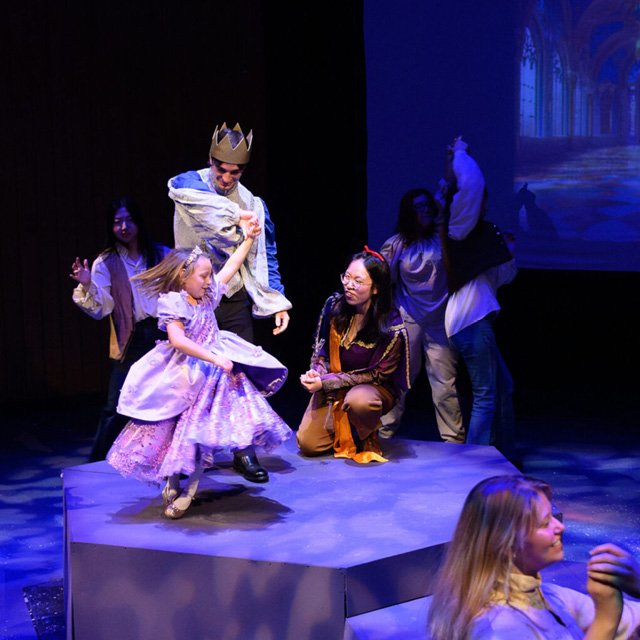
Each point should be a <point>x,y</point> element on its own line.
<point>228,414</point>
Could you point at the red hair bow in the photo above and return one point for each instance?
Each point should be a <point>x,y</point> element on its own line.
<point>373,253</point>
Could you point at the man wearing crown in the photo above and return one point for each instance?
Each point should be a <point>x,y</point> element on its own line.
<point>212,207</point>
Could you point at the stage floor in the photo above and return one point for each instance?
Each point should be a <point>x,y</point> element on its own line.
<point>325,539</point>
<point>594,475</point>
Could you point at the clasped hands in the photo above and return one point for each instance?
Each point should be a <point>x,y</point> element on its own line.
<point>610,565</point>
<point>610,571</point>
<point>249,224</point>
<point>311,381</point>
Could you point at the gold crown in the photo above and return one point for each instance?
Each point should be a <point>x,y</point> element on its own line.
<point>222,150</point>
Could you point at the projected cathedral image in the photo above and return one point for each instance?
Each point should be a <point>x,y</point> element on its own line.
<point>578,154</point>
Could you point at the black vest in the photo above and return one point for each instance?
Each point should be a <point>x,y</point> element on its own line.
<point>466,259</point>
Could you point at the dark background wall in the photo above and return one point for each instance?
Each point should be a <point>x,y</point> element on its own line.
<point>100,100</point>
<point>96,104</point>
<point>436,71</point>
<point>104,99</point>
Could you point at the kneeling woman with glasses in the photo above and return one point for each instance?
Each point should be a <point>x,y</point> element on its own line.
<point>359,368</point>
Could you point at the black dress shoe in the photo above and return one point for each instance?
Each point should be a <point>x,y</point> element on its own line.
<point>250,468</point>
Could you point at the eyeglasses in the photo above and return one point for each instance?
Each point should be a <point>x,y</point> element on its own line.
<point>421,206</point>
<point>347,279</point>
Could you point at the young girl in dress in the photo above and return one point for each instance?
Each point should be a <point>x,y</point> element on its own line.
<point>200,392</point>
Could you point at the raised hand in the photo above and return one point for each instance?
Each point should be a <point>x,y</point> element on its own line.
<point>81,273</point>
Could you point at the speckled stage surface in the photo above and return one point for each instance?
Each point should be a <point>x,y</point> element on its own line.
<point>323,540</point>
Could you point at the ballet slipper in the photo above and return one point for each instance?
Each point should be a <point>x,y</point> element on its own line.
<point>178,507</point>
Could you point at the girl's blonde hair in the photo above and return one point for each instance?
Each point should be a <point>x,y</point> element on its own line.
<point>498,515</point>
<point>170,274</point>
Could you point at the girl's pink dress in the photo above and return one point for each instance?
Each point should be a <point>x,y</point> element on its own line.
<point>183,409</point>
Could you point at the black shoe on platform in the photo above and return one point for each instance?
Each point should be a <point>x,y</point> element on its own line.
<point>250,468</point>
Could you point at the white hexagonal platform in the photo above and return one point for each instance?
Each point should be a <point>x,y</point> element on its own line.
<point>323,540</point>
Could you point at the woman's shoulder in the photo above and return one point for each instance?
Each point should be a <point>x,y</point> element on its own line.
<point>393,241</point>
<point>575,602</point>
<point>106,255</point>
<point>395,321</point>
<point>331,304</point>
<point>103,262</point>
<point>329,309</point>
<point>333,299</point>
<point>393,247</point>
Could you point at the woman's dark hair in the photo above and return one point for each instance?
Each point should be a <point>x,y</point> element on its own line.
<point>407,225</point>
<point>149,249</point>
<point>376,324</point>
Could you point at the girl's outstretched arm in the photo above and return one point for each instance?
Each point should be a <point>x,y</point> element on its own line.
<point>251,230</point>
<point>179,340</point>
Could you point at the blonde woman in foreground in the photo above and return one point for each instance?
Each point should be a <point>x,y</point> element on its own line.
<point>490,588</point>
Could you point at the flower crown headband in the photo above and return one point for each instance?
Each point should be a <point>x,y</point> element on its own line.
<point>193,256</point>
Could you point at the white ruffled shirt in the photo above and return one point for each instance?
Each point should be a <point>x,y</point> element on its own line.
<point>418,277</point>
<point>97,301</point>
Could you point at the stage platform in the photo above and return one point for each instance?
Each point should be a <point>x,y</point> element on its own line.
<point>324,540</point>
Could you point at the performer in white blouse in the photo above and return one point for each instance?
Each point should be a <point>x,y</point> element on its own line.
<point>104,291</point>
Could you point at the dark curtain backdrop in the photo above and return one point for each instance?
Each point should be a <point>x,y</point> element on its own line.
<point>104,99</point>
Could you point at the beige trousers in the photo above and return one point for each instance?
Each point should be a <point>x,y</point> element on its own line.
<point>364,405</point>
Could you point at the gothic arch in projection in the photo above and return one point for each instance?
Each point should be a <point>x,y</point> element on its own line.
<point>578,69</point>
